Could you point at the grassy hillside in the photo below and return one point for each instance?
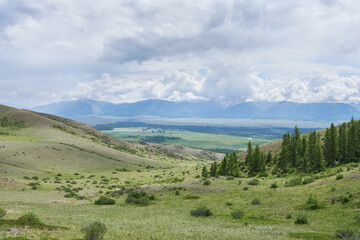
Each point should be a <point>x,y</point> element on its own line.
<point>57,168</point>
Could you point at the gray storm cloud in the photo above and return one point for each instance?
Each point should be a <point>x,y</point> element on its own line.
<point>121,51</point>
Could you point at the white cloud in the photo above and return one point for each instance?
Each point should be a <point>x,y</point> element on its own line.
<point>301,51</point>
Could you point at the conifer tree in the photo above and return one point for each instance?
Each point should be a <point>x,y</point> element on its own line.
<point>285,153</point>
<point>223,168</point>
<point>205,172</point>
<point>213,169</point>
<point>257,164</point>
<point>353,141</point>
<point>331,145</point>
<point>343,143</point>
<point>269,158</point>
<point>249,153</point>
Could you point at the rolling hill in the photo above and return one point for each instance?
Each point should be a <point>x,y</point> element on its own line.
<point>51,143</point>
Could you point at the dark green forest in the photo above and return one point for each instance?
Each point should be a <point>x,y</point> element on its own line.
<point>307,153</point>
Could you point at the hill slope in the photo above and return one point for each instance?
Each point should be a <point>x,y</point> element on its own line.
<point>51,143</point>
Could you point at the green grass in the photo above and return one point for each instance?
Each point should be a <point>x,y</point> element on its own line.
<point>186,138</point>
<point>168,216</point>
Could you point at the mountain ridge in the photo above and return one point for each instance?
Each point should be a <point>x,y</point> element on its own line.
<point>203,109</point>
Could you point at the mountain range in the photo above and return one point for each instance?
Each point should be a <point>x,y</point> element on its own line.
<point>204,109</point>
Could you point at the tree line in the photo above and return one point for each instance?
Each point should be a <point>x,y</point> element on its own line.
<point>307,153</point>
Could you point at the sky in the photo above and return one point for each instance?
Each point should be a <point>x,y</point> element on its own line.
<point>226,51</point>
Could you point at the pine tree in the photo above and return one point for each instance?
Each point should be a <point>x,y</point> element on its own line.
<point>249,153</point>
<point>343,143</point>
<point>205,172</point>
<point>223,168</point>
<point>295,147</point>
<point>257,164</point>
<point>234,165</point>
<point>318,159</point>
<point>353,141</point>
<point>213,169</point>
<point>284,154</point>
<point>315,154</point>
<point>331,145</point>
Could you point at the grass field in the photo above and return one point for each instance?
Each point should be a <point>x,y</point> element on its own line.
<point>167,217</point>
<point>207,141</point>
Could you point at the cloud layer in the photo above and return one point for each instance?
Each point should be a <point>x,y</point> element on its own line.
<point>230,51</point>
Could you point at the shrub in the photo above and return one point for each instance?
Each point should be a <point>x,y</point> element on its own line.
<point>255,201</point>
<point>333,189</point>
<point>246,188</point>
<point>302,219</point>
<point>237,214</point>
<point>201,211</point>
<point>191,197</point>
<point>274,185</point>
<point>105,201</point>
<point>228,203</point>
<point>293,182</point>
<point>339,176</point>
<point>177,192</point>
<point>308,180</point>
<point>29,218</point>
<point>2,213</point>
<point>313,203</point>
<point>94,231</point>
<point>344,199</point>
<point>288,216</point>
<point>140,198</point>
<point>253,181</point>
<point>207,182</point>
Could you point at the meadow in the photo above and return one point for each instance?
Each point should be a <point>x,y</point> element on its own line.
<point>208,141</point>
<point>168,216</point>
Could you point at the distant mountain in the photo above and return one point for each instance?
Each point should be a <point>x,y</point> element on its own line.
<point>204,109</point>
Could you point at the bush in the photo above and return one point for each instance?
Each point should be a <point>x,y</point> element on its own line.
<point>237,214</point>
<point>253,181</point>
<point>255,201</point>
<point>308,180</point>
<point>302,219</point>
<point>191,197</point>
<point>339,176</point>
<point>201,211</point>
<point>207,182</point>
<point>293,182</point>
<point>274,185</point>
<point>140,198</point>
<point>2,213</point>
<point>105,201</point>
<point>344,199</point>
<point>313,203</point>
<point>94,231</point>
<point>246,188</point>
<point>177,192</point>
<point>29,218</point>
